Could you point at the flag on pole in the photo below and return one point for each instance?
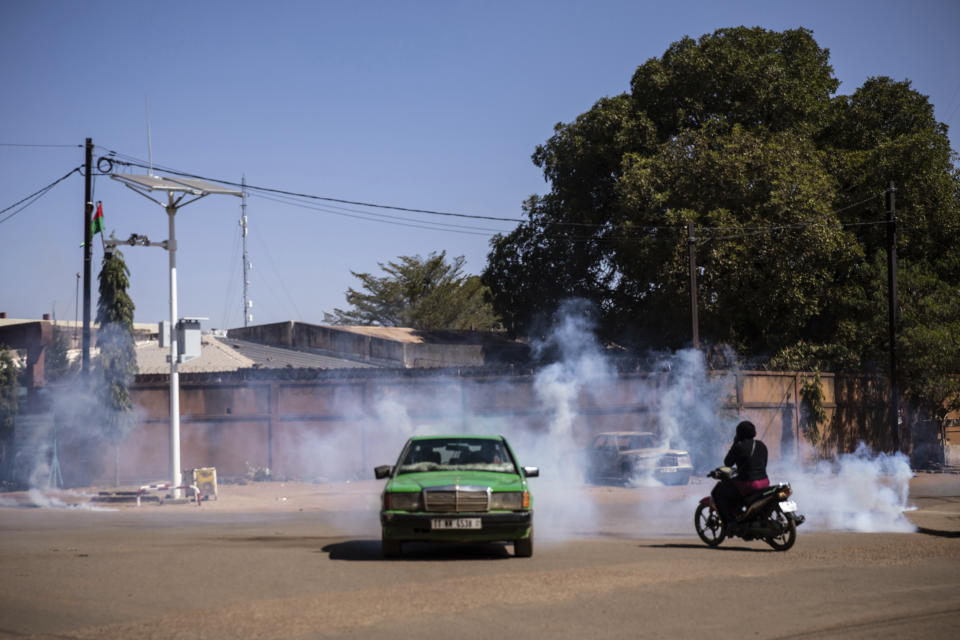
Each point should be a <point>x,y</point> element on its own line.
<point>96,226</point>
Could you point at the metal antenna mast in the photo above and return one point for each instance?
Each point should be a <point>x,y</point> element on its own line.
<point>247,304</point>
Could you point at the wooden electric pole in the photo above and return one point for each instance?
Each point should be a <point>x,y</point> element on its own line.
<point>87,256</point>
<point>692,243</point>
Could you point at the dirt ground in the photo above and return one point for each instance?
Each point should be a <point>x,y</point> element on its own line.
<point>934,504</point>
<point>303,560</point>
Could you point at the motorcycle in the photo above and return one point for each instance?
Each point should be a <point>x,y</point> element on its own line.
<point>767,515</point>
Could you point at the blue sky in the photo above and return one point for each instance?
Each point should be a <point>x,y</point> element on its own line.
<point>426,105</point>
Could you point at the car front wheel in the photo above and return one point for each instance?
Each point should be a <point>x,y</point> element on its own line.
<point>523,548</point>
<point>390,548</point>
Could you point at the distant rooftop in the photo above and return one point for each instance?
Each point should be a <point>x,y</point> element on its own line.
<point>230,354</point>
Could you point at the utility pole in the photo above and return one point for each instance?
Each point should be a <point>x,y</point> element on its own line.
<point>692,243</point>
<point>247,305</point>
<point>76,312</point>
<point>87,256</point>
<point>892,310</point>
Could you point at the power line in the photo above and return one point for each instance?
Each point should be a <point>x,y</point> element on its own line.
<point>33,197</point>
<point>373,217</point>
<point>315,197</point>
<point>130,161</point>
<point>649,231</point>
<point>59,146</point>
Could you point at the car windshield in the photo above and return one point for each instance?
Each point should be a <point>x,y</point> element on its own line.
<point>635,441</point>
<point>456,454</point>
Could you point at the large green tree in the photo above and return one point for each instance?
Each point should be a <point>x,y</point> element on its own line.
<point>117,363</point>
<point>418,292</point>
<point>740,135</point>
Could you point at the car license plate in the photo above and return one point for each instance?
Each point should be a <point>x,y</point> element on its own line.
<point>788,506</point>
<point>455,523</point>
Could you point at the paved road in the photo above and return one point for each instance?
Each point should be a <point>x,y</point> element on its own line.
<point>166,572</point>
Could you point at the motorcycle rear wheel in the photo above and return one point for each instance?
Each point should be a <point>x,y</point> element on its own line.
<point>708,525</point>
<point>786,539</point>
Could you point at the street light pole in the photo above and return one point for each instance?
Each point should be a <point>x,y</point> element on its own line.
<point>177,189</point>
<point>174,355</point>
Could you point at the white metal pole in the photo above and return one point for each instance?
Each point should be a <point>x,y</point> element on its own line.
<point>174,374</point>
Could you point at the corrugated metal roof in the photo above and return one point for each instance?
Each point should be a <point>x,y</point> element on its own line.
<point>214,356</point>
<point>278,357</point>
<point>230,354</point>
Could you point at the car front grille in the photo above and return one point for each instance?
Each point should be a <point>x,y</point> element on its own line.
<point>669,460</point>
<point>453,499</point>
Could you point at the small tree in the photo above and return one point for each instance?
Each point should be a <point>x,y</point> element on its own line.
<point>56,362</point>
<point>423,293</point>
<point>9,404</point>
<point>118,358</point>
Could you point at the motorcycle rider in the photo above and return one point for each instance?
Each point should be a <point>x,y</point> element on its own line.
<point>749,456</point>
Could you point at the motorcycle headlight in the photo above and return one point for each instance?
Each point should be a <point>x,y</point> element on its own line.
<point>510,500</point>
<point>408,501</point>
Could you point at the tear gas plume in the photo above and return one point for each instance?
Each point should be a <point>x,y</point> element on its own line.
<point>41,499</point>
<point>682,403</point>
<point>580,375</point>
<point>861,491</point>
<point>72,426</point>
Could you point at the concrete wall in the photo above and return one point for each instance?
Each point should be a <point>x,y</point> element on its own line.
<point>339,427</point>
<point>952,446</point>
<point>277,423</point>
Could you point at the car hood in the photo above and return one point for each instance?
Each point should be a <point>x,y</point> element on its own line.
<point>428,479</point>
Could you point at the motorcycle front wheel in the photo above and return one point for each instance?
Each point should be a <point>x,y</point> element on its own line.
<point>709,527</point>
<point>789,531</point>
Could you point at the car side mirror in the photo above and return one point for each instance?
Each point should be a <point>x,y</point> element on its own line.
<point>383,471</point>
<point>531,472</point>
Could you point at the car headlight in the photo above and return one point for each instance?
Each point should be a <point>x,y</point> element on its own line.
<point>683,461</point>
<point>407,501</point>
<point>510,500</point>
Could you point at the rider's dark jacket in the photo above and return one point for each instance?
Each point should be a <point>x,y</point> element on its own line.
<point>750,458</point>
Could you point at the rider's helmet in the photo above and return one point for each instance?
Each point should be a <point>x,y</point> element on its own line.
<point>745,431</point>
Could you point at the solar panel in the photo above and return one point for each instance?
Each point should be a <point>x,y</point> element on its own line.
<point>204,186</point>
<point>152,183</point>
<point>188,185</point>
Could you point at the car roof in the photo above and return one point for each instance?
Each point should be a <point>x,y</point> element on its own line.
<point>455,436</point>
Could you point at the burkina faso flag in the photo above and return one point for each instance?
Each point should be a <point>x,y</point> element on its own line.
<point>96,226</point>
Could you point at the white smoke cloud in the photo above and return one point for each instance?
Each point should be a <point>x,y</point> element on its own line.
<point>690,410</point>
<point>581,375</point>
<point>687,407</point>
<point>861,491</point>
<point>46,500</point>
<point>72,427</point>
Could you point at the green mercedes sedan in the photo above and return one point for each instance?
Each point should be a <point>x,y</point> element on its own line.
<point>457,489</point>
